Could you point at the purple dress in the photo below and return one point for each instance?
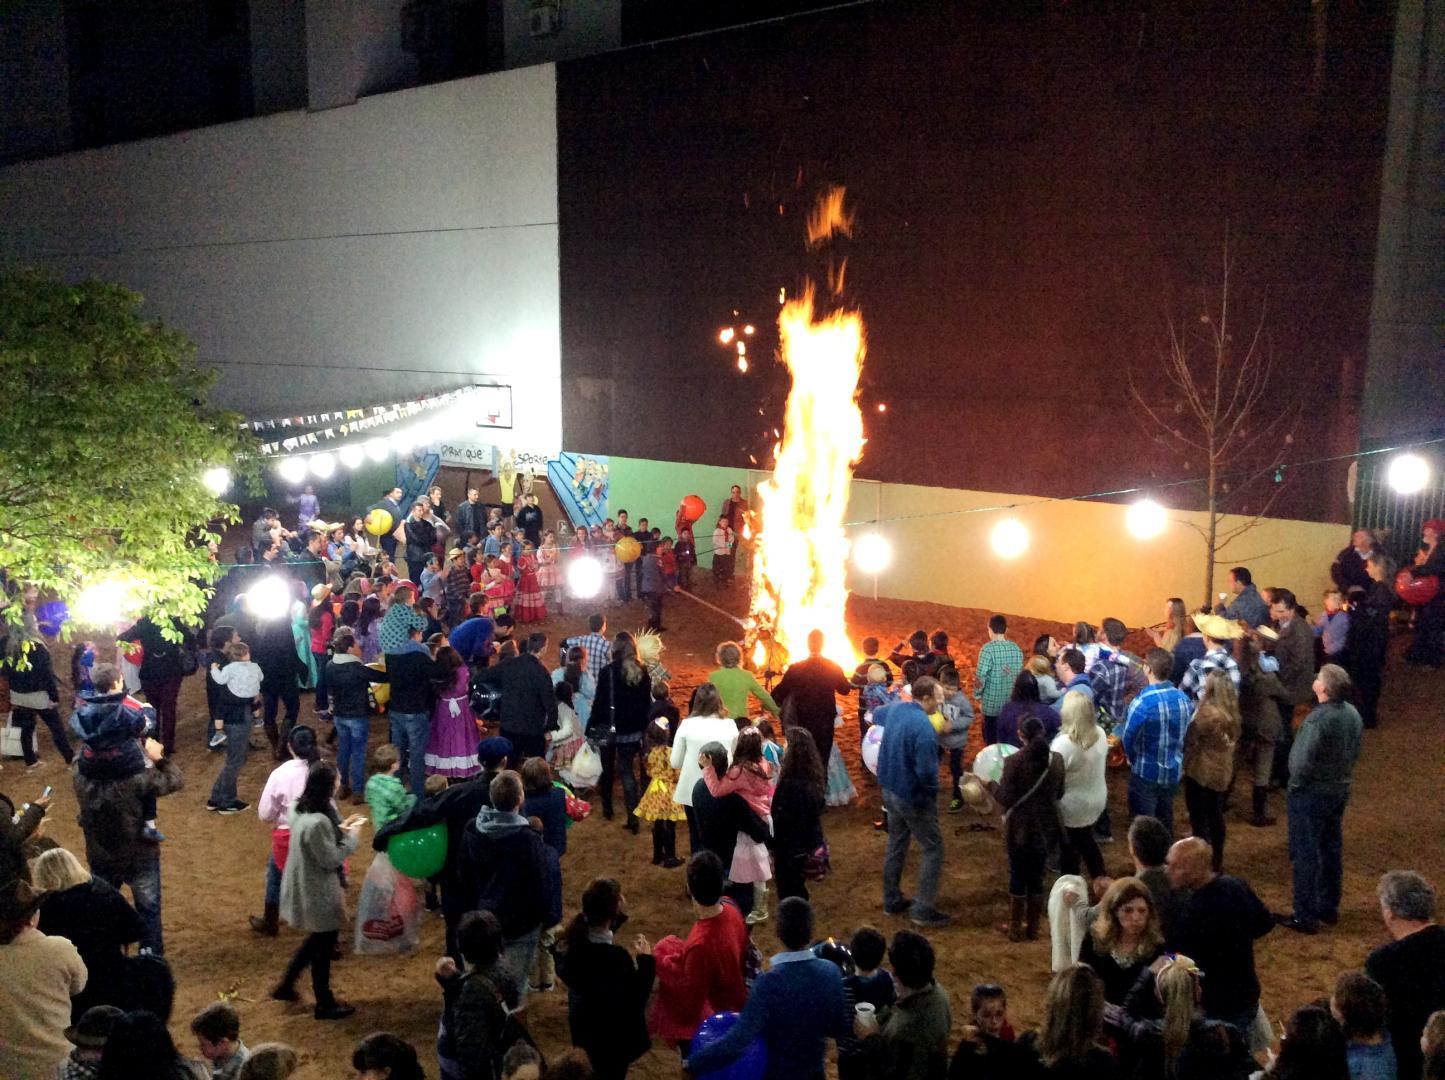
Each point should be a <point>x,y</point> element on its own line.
<point>451,748</point>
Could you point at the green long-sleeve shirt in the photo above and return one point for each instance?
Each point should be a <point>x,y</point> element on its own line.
<point>734,685</point>
<point>388,798</point>
<point>1325,749</point>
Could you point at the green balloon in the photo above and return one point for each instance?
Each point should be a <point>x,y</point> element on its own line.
<point>420,853</point>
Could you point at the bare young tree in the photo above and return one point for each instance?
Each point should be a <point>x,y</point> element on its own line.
<point>1214,405</point>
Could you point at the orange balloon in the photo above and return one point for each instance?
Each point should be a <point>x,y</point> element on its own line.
<point>693,508</point>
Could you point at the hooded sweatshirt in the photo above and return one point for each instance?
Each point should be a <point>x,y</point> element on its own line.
<point>504,870</point>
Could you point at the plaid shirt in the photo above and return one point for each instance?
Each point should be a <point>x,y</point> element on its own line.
<point>1215,660</point>
<point>999,664</point>
<point>1153,736</point>
<point>599,652</point>
<point>1111,675</point>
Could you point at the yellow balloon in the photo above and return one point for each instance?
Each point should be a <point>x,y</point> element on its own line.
<point>628,550</point>
<point>378,522</point>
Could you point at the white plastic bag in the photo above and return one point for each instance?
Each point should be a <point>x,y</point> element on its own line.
<point>388,915</point>
<point>586,767</point>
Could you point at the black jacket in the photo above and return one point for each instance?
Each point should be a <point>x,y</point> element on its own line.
<point>529,702</point>
<point>720,820</point>
<point>411,675</point>
<point>346,681</point>
<point>504,870</point>
<point>607,1000</point>
<point>162,658</point>
<point>619,704</point>
<point>100,923</point>
<point>274,652</point>
<point>421,537</point>
<point>467,518</point>
<point>37,673</point>
<point>797,821</point>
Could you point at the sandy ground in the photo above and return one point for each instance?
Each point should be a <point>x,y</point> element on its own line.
<point>213,867</point>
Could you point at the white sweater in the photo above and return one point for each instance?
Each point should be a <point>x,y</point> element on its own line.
<point>1085,791</point>
<point>693,734</point>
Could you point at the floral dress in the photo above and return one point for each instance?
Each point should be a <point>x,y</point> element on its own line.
<point>451,747</point>
<point>656,803</point>
<point>531,605</point>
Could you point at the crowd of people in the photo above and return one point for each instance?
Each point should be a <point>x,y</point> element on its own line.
<point>504,739</point>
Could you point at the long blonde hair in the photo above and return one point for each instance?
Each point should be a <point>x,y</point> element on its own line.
<point>1073,1016</point>
<point>57,869</point>
<point>1219,691</point>
<point>1178,987</point>
<point>1081,722</point>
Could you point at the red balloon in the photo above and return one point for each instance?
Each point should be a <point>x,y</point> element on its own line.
<point>1416,590</point>
<point>693,508</point>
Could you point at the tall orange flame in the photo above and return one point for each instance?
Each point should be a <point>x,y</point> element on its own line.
<point>800,565</point>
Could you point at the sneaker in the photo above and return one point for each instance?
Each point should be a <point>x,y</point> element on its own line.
<point>337,1010</point>
<point>672,862</point>
<point>1299,926</point>
<point>755,917</point>
<point>931,920</point>
<point>154,836</point>
<point>212,806</point>
<point>282,992</point>
<point>955,806</point>
<point>898,907</point>
<point>235,807</point>
<point>217,741</point>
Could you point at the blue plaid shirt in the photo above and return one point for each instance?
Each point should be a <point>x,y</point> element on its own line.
<point>599,652</point>
<point>1214,660</point>
<point>1110,675</point>
<point>1153,736</point>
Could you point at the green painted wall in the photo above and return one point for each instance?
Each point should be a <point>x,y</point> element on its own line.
<point>653,489</point>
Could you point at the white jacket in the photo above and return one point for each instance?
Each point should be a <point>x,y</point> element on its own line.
<point>1085,791</point>
<point>693,734</point>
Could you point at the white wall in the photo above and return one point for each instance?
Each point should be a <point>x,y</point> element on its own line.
<point>397,246</point>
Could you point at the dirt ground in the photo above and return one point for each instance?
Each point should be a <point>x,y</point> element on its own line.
<point>213,866</point>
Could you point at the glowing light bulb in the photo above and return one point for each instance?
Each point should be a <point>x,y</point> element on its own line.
<point>217,480</point>
<point>376,449</point>
<point>1145,519</point>
<point>1408,474</point>
<point>322,465</point>
<point>292,469</point>
<point>584,577</point>
<point>269,598</point>
<point>1009,538</point>
<point>725,335</point>
<point>872,553</point>
<point>351,456</point>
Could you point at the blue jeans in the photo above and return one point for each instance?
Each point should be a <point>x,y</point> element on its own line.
<point>223,791</point>
<point>1316,851</point>
<point>409,732</point>
<point>1152,800</point>
<point>351,732</point>
<point>906,820</point>
<point>520,954</point>
<point>322,701</point>
<point>143,874</point>
<point>273,882</point>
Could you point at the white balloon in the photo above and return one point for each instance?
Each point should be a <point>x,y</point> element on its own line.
<point>872,743</point>
<point>988,765</point>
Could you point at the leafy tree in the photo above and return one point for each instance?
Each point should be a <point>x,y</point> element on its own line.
<point>105,436</point>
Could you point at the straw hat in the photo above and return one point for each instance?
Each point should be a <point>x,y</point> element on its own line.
<point>973,793</point>
<point>1217,627</point>
<point>320,592</point>
<point>1269,633</point>
<point>455,553</point>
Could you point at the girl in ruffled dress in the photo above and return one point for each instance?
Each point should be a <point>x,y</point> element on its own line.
<point>451,746</point>
<point>656,804</point>
<point>531,605</point>
<point>569,737</point>
<point>549,571</point>
<point>750,777</point>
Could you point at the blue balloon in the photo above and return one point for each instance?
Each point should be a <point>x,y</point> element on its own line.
<point>749,1065</point>
<point>51,615</point>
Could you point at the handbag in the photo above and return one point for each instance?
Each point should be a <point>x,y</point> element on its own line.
<point>816,865</point>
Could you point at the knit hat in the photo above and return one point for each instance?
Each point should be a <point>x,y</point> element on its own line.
<point>493,750</point>
<point>94,1026</point>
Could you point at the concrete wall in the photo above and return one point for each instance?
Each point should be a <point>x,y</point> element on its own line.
<point>1081,564</point>
<point>402,245</point>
